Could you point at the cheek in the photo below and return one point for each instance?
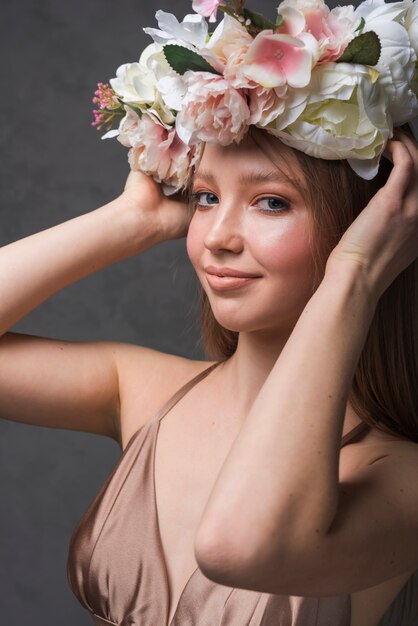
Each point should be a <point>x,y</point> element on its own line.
<point>194,242</point>
<point>285,251</point>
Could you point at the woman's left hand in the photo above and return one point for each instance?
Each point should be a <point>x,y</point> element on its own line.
<point>383,240</point>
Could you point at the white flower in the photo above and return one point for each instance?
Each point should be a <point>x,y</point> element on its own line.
<point>344,117</point>
<point>136,83</point>
<point>397,60</point>
<point>411,25</point>
<point>379,9</point>
<point>173,90</point>
<point>191,32</point>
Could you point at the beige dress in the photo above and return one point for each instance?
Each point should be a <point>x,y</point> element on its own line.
<point>117,570</point>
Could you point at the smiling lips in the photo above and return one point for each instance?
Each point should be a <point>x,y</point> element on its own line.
<point>225,278</point>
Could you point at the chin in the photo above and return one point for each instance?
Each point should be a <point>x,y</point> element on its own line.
<point>245,321</point>
<point>243,317</point>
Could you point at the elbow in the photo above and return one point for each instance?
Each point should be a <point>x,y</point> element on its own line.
<point>224,561</point>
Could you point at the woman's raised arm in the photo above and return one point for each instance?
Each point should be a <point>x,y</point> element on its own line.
<point>75,384</point>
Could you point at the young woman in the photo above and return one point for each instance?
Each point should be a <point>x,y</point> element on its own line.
<point>273,485</point>
<point>248,506</point>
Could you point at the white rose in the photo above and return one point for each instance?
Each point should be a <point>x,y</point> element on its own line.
<point>398,57</point>
<point>344,117</point>
<point>136,83</point>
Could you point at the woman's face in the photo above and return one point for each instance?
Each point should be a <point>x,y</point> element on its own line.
<point>249,218</point>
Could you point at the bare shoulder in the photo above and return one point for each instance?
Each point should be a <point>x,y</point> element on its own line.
<point>147,379</point>
<point>398,456</point>
<point>376,446</point>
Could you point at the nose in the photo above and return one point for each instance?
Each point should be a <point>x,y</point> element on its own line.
<point>225,230</point>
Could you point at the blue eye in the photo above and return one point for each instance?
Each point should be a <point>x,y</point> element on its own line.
<point>276,205</point>
<point>197,196</point>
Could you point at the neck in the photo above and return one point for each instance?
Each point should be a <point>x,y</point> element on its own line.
<point>246,371</point>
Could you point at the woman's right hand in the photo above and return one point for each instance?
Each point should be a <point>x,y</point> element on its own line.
<point>172,214</point>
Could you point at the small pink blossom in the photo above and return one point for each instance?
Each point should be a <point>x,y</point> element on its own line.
<point>109,106</point>
<point>159,151</point>
<point>207,8</point>
<point>212,110</point>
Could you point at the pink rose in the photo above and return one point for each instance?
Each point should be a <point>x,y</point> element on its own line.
<point>212,110</point>
<point>158,151</point>
<point>207,8</point>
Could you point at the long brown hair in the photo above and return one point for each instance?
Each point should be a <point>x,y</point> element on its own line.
<point>384,392</point>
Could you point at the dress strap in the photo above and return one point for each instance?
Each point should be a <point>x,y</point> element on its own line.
<point>361,428</point>
<point>183,390</point>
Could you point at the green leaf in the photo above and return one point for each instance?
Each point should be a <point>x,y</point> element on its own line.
<point>258,20</point>
<point>361,25</point>
<point>134,108</point>
<point>182,59</point>
<point>227,10</point>
<point>279,20</point>
<point>364,49</point>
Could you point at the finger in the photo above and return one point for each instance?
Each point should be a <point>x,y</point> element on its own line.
<point>403,166</point>
<point>409,140</point>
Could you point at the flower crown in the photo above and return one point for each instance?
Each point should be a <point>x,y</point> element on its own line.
<point>331,83</point>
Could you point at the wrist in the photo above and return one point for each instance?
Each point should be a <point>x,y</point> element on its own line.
<point>140,230</point>
<point>349,283</point>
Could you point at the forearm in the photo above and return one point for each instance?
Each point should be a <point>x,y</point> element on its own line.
<point>37,266</point>
<point>279,483</point>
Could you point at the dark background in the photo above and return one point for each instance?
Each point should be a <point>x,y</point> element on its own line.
<point>54,167</point>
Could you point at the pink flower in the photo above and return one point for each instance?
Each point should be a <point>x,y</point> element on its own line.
<point>265,104</point>
<point>333,29</point>
<point>207,8</point>
<point>157,150</point>
<point>229,43</point>
<point>273,60</point>
<point>212,110</point>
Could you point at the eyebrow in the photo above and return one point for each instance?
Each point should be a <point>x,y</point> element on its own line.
<point>255,176</point>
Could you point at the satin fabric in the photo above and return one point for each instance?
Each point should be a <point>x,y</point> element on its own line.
<point>116,565</point>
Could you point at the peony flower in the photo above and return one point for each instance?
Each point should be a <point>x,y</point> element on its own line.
<point>275,60</point>
<point>397,62</point>
<point>411,25</point>
<point>207,8</point>
<point>191,32</point>
<point>333,29</point>
<point>128,129</point>
<point>344,117</point>
<point>265,104</point>
<point>158,151</point>
<point>211,111</point>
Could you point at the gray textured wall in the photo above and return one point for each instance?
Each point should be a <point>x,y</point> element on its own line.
<point>55,167</point>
